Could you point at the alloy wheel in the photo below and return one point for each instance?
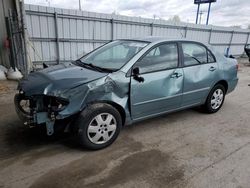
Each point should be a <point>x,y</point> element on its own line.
<point>217,99</point>
<point>102,128</point>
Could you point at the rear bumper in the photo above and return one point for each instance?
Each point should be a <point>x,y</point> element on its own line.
<point>232,85</point>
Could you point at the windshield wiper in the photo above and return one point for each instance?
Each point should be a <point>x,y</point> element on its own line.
<point>94,67</point>
<point>100,69</point>
<point>85,65</point>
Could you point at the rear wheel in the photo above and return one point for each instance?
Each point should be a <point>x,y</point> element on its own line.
<point>215,99</point>
<point>98,126</point>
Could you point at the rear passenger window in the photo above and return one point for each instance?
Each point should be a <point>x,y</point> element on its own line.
<point>194,54</point>
<point>162,57</point>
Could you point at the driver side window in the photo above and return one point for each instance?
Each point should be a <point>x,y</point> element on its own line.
<point>162,57</point>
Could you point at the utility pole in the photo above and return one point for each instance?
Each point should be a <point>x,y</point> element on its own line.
<point>197,14</point>
<point>198,2</point>
<point>201,12</point>
<point>80,6</point>
<point>209,7</point>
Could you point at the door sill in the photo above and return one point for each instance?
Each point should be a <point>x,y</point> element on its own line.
<point>165,112</point>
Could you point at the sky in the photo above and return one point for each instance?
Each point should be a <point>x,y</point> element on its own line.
<point>223,12</point>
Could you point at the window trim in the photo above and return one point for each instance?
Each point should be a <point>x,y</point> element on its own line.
<point>197,43</point>
<point>212,56</point>
<point>129,73</point>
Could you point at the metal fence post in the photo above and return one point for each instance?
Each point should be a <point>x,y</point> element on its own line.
<point>152,29</point>
<point>229,45</point>
<point>57,38</point>
<point>25,38</point>
<point>210,35</point>
<point>231,39</point>
<point>112,29</point>
<point>185,33</point>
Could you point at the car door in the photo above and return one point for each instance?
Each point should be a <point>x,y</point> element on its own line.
<point>200,73</point>
<point>156,85</point>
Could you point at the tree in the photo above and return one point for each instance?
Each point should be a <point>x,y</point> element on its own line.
<point>175,19</point>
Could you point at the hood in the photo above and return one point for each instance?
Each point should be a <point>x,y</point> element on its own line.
<point>57,79</point>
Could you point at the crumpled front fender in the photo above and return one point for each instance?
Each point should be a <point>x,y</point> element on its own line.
<point>113,88</point>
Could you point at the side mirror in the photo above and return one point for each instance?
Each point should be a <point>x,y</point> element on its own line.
<point>135,73</point>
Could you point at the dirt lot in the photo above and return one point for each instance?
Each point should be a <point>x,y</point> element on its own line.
<point>183,149</point>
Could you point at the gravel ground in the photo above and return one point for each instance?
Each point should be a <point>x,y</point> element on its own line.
<point>183,149</point>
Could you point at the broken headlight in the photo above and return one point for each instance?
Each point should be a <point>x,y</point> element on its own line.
<point>55,104</point>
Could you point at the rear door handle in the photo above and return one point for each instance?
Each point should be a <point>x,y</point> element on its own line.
<point>176,75</point>
<point>212,68</point>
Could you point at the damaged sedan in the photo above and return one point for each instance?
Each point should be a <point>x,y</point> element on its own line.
<point>122,82</point>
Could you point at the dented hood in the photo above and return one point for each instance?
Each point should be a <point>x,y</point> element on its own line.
<point>57,79</point>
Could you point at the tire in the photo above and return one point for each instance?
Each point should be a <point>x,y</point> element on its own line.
<point>98,126</point>
<point>215,99</point>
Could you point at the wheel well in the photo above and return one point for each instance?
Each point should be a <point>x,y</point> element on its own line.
<point>117,107</point>
<point>224,83</point>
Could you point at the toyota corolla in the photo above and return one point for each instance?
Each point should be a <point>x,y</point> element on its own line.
<point>123,82</point>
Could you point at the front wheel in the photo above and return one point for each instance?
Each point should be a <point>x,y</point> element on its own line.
<point>215,99</point>
<point>98,126</point>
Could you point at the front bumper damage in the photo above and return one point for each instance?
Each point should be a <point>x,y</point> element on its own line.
<point>57,104</point>
<point>39,109</point>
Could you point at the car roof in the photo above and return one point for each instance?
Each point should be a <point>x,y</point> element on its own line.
<point>160,39</point>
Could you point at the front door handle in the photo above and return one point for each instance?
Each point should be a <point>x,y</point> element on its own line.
<point>212,68</point>
<point>176,75</point>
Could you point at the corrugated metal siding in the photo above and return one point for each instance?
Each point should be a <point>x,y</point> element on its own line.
<point>220,38</point>
<point>80,32</point>
<point>239,38</point>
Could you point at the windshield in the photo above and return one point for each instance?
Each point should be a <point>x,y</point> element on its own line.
<point>113,55</point>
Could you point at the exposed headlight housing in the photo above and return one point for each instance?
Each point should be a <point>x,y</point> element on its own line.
<point>56,104</point>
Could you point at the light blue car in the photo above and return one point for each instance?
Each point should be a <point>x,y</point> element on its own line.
<point>122,82</point>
